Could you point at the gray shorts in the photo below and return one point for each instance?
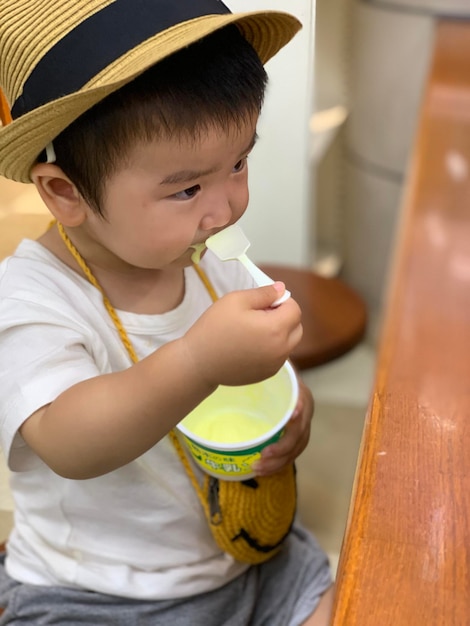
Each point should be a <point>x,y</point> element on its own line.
<point>282,592</point>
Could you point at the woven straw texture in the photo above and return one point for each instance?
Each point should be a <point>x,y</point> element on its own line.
<point>30,28</point>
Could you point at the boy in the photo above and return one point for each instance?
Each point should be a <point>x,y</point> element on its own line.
<point>135,121</point>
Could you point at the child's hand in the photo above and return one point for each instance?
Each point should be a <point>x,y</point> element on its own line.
<point>294,440</point>
<point>241,340</point>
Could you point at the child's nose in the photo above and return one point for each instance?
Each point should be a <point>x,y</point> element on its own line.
<point>217,214</point>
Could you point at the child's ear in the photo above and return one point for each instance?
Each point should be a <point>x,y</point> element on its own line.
<point>59,194</point>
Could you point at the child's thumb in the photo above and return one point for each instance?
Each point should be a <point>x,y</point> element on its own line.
<point>266,296</point>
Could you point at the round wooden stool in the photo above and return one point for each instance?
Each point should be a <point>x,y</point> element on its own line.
<point>333,315</point>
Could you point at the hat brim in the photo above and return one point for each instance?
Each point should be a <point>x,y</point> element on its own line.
<point>25,138</point>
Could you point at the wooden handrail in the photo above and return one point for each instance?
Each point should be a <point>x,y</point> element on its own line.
<point>405,559</point>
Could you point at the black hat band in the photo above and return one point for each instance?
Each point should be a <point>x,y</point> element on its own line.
<point>101,39</point>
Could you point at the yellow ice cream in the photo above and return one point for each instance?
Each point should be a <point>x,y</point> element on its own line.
<point>198,250</point>
<point>229,427</point>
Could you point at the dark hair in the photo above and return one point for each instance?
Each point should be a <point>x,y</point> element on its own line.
<point>216,82</point>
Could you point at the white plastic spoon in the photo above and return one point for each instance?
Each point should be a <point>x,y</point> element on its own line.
<point>232,243</point>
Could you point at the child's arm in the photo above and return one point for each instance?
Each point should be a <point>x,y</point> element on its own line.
<point>105,422</point>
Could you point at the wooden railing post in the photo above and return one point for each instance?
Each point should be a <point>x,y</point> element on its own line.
<point>406,553</point>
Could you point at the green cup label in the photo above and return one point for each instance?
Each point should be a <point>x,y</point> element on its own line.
<point>235,463</point>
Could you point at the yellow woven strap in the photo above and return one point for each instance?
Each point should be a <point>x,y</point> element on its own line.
<point>109,307</point>
<point>133,356</point>
<point>207,284</point>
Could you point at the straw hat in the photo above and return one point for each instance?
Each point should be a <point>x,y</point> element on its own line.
<point>60,57</point>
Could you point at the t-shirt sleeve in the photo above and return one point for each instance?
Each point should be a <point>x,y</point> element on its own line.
<point>42,353</point>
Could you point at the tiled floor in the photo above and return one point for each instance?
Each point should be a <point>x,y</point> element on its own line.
<point>6,504</point>
<point>326,468</point>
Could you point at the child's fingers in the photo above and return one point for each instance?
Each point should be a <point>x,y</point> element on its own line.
<point>286,450</point>
<point>263,297</point>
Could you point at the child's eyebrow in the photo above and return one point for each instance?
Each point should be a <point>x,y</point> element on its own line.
<point>185,176</point>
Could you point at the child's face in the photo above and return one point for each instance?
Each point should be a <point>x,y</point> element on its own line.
<point>172,194</point>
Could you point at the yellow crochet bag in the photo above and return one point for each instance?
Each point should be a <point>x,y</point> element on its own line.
<point>249,519</point>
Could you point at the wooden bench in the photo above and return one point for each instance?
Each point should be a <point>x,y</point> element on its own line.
<point>405,559</point>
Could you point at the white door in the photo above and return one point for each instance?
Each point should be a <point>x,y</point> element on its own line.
<point>279,220</point>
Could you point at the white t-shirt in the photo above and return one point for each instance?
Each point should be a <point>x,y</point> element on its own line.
<point>139,531</point>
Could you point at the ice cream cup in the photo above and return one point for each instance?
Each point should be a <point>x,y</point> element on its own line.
<point>227,431</point>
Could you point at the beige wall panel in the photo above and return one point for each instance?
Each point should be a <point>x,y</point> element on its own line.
<point>369,233</point>
<point>388,70</point>
<point>445,7</point>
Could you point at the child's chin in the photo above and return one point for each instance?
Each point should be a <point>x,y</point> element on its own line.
<point>183,261</point>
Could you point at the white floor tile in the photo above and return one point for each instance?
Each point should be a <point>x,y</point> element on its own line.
<point>6,502</point>
<point>344,381</point>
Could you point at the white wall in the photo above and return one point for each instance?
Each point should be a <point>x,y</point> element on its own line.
<point>278,220</point>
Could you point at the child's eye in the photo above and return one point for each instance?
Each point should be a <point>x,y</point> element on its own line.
<point>186,194</point>
<point>240,165</point>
